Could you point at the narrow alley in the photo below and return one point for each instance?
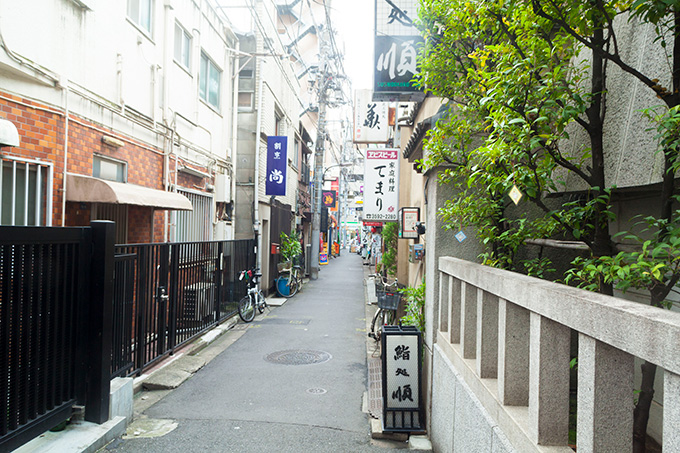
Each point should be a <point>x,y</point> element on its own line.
<point>293,381</point>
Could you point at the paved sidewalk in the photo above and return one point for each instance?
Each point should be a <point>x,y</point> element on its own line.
<point>295,379</point>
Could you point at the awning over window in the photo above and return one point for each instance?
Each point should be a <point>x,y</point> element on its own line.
<point>94,190</point>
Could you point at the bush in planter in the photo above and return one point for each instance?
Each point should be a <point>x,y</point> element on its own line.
<point>290,246</point>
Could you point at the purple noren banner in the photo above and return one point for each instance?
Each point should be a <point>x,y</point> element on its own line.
<point>277,164</point>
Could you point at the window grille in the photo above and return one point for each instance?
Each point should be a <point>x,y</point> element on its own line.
<point>25,192</point>
<point>195,225</point>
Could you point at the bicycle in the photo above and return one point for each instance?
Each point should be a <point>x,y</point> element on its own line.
<point>388,302</point>
<point>290,282</point>
<point>255,297</point>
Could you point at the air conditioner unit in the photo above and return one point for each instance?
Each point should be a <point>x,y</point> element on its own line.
<point>199,300</point>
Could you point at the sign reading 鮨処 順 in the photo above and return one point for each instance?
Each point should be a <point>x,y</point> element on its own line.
<point>381,191</point>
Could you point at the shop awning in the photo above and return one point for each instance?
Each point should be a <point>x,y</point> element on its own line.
<point>94,190</point>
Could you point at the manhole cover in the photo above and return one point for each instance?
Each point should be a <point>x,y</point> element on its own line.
<point>298,357</point>
<point>316,391</point>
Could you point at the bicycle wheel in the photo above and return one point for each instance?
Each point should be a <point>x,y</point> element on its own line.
<point>294,285</point>
<point>375,333</point>
<point>262,304</point>
<point>246,309</point>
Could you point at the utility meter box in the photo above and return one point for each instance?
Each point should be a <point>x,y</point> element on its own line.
<point>416,252</point>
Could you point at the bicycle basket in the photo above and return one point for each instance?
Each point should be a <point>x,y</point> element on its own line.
<point>388,300</point>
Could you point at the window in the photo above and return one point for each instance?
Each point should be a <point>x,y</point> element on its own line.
<point>25,193</point>
<point>278,126</point>
<point>296,154</point>
<point>110,169</point>
<point>182,47</point>
<point>141,13</point>
<point>195,225</point>
<point>245,100</point>
<point>209,81</point>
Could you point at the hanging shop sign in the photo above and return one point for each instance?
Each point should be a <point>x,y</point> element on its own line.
<point>381,175</point>
<point>408,218</point>
<point>401,378</point>
<point>277,165</point>
<point>396,48</point>
<point>330,198</point>
<point>370,119</point>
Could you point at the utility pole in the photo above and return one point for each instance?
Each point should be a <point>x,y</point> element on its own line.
<point>318,165</point>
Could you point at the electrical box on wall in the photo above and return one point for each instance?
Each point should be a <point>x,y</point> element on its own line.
<point>222,188</point>
<point>416,252</point>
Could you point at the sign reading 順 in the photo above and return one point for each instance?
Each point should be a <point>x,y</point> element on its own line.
<point>396,48</point>
<point>277,164</point>
<point>401,359</point>
<point>381,178</point>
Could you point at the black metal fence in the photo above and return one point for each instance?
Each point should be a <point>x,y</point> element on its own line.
<point>52,329</point>
<point>167,294</point>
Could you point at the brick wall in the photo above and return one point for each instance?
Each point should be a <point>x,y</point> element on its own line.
<point>41,134</point>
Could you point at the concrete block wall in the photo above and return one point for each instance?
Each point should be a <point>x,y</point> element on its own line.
<point>459,421</point>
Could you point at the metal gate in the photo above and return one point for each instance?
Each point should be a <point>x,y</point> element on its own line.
<point>53,331</point>
<point>167,294</point>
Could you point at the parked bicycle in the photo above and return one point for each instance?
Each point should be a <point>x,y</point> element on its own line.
<point>388,302</point>
<point>290,280</point>
<point>254,300</point>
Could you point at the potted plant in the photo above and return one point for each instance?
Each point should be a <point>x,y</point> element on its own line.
<point>290,248</point>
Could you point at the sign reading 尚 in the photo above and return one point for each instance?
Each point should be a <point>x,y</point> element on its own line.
<point>381,176</point>
<point>370,119</point>
<point>277,165</point>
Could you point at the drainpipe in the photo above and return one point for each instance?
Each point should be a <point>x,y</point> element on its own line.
<point>256,179</point>
<point>66,124</point>
<point>234,129</point>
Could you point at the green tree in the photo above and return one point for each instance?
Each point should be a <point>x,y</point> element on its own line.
<point>390,236</point>
<point>521,76</point>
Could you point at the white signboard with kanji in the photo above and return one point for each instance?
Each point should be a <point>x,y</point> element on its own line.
<point>370,119</point>
<point>381,179</point>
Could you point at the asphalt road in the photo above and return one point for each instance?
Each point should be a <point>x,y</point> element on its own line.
<point>262,394</point>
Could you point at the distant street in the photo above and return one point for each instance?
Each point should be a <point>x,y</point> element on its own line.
<point>262,394</point>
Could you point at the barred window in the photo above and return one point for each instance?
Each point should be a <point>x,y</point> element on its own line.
<point>195,225</point>
<point>25,192</point>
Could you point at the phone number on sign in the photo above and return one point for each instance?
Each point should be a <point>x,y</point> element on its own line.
<point>380,217</point>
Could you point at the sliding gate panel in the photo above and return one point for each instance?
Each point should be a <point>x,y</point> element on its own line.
<point>44,283</point>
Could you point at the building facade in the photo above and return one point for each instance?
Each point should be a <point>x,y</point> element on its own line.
<point>138,129</point>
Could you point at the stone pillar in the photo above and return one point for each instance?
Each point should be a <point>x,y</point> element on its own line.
<point>444,302</point>
<point>605,397</point>
<point>454,310</point>
<point>487,335</point>
<point>671,412</point>
<point>513,354</point>
<point>548,382</point>
<point>468,321</point>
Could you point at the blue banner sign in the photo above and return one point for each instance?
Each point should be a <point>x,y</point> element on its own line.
<point>277,165</point>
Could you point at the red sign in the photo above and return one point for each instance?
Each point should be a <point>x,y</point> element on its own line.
<point>372,224</point>
<point>382,154</point>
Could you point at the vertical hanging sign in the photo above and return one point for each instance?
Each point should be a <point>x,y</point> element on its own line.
<point>277,165</point>
<point>370,119</point>
<point>381,176</point>
<point>396,47</point>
